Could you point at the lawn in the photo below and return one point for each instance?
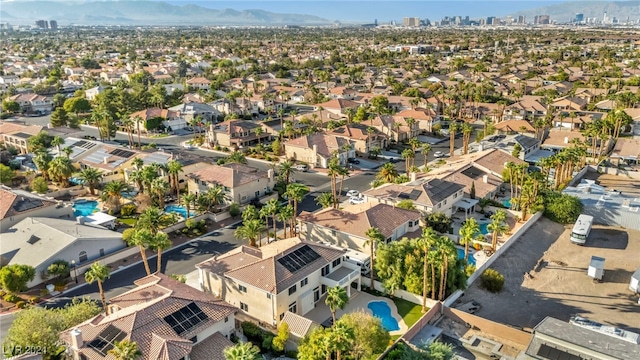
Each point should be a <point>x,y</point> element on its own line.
<point>128,221</point>
<point>409,311</point>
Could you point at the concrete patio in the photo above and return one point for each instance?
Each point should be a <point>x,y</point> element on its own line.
<point>358,302</point>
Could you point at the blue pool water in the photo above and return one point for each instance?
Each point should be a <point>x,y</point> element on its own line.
<point>129,194</point>
<point>381,309</point>
<point>470,259</point>
<point>75,181</point>
<point>507,203</point>
<point>180,210</point>
<point>84,207</point>
<point>483,228</point>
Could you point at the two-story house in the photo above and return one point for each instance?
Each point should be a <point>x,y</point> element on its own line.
<point>170,119</point>
<point>236,133</point>
<point>427,195</point>
<point>285,276</point>
<point>425,118</point>
<point>396,127</point>
<point>317,149</point>
<point>33,103</point>
<point>364,138</point>
<point>167,320</point>
<point>199,83</point>
<point>347,227</point>
<point>241,183</point>
<point>16,136</point>
<point>527,108</point>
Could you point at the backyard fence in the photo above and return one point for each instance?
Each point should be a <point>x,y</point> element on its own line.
<point>401,294</point>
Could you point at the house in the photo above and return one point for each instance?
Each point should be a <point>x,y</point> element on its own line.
<point>91,94</point>
<point>191,110</point>
<point>570,103</point>
<point>396,127</point>
<point>338,106</point>
<point>168,320</point>
<point>347,227</point>
<point>364,138</point>
<point>39,241</point>
<point>627,149</point>
<point>427,195</point>
<point>288,275</point>
<point>148,119</point>
<point>341,92</point>
<point>527,108</point>
<point>237,133</point>
<point>514,126</point>
<point>317,149</point>
<point>9,80</point>
<point>33,103</point>
<point>16,205</point>
<point>14,135</point>
<point>581,338</point>
<point>635,118</point>
<point>241,183</point>
<point>528,144</point>
<point>575,120</point>
<point>425,118</point>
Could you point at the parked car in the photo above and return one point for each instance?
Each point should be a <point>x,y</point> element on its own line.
<point>352,193</point>
<point>353,161</point>
<point>438,154</point>
<point>302,167</point>
<point>354,200</point>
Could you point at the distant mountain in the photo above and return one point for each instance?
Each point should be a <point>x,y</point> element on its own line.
<point>129,12</point>
<point>564,12</point>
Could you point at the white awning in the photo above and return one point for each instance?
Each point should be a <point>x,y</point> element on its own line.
<point>466,203</point>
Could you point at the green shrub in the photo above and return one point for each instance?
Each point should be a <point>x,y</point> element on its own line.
<point>251,330</point>
<point>2,293</point>
<point>266,342</point>
<point>21,304</point>
<point>34,300</point>
<point>492,281</point>
<point>190,223</point>
<point>40,185</point>
<point>11,298</point>
<point>234,209</point>
<point>562,208</point>
<point>128,209</point>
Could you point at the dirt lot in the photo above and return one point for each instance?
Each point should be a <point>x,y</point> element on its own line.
<point>546,275</point>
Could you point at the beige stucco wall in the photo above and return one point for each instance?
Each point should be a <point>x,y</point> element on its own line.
<point>240,194</point>
<point>301,154</point>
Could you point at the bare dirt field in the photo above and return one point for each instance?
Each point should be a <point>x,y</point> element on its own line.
<point>546,275</point>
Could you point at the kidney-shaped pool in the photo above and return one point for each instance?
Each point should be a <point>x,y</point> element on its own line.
<point>381,309</point>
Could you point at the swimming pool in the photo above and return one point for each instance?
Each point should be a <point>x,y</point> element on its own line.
<point>381,310</point>
<point>507,203</point>
<point>180,210</point>
<point>483,228</point>
<point>84,207</point>
<point>470,259</point>
<point>75,181</point>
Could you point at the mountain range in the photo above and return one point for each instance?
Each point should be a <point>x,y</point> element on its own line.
<point>269,13</point>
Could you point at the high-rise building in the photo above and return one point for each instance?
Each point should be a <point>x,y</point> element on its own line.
<point>521,19</point>
<point>53,25</point>
<point>42,24</point>
<point>411,21</point>
<point>578,18</point>
<point>542,20</point>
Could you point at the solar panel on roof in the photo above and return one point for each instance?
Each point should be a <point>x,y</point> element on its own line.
<point>298,258</point>
<point>555,354</point>
<point>106,339</point>
<point>186,318</point>
<point>122,153</point>
<point>79,143</point>
<point>26,203</point>
<point>33,239</point>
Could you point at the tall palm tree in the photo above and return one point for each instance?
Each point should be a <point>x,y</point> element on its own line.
<point>467,129</point>
<point>280,114</point>
<point>251,231</point>
<point>98,273</point>
<point>407,155</point>
<point>469,232</point>
<point>286,216</point>
<point>137,177</point>
<point>271,208</point>
<point>42,160</point>
<point>374,238</point>
<point>325,200</point>
<point>295,193</point>
<point>425,152</point>
<point>453,129</point>
<point>60,169</point>
<point>342,338</point>
<point>174,168</point>
<point>448,253</point>
<point>57,141</point>
<point>137,163</point>
<point>138,120</point>
<point>158,188</point>
<point>188,199</point>
<point>125,350</point>
<point>150,219</point>
<point>127,122</point>
<point>498,227</point>
<point>214,196</point>
<point>159,243</point>
<point>286,168</point>
<point>337,298</point>
<point>426,241</point>
<point>142,238</point>
<point>112,192</point>
<point>387,173</point>
<point>90,176</point>
<point>242,351</point>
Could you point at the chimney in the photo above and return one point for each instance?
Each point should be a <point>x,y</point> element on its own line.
<point>105,160</point>
<point>566,140</point>
<point>413,176</point>
<point>480,147</point>
<point>76,339</point>
<point>315,149</point>
<point>80,220</point>
<point>270,174</point>
<point>485,178</point>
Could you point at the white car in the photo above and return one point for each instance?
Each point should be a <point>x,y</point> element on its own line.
<point>354,200</point>
<point>352,193</point>
<point>438,154</point>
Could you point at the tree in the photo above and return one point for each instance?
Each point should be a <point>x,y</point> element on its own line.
<point>286,168</point>
<point>406,204</point>
<point>341,338</point>
<point>492,280</point>
<point>469,231</point>
<point>188,199</point>
<point>57,141</point>
<point>369,337</point>
<point>408,156</point>
<point>174,168</point>
<point>112,193</point>
<point>295,193</point>
<point>280,341</point>
<point>439,351</point>
<point>98,273</point>
<point>426,242</point>
<point>325,200</point>
<point>77,105</point>
<point>59,268</point>
<point>250,230</point>
<point>42,161</point>
<point>374,238</point>
<point>59,117</point>
<point>39,185</point>
<point>160,242</point>
<point>380,104</point>
<point>439,222</point>
<point>90,176</point>
<point>14,278</point>
<point>6,174</point>
<point>498,227</point>
<point>38,327</point>
<point>125,350</point>
<point>213,196</point>
<point>467,129</point>
<point>562,208</point>
<point>472,192</point>
<point>242,351</point>
<point>316,345</point>
<point>453,129</point>
<point>271,208</point>
<point>387,173</point>
<point>276,146</point>
<point>337,298</point>
<point>60,169</point>
<point>425,152</point>
<point>10,106</point>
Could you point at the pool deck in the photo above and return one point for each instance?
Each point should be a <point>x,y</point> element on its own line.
<point>358,302</point>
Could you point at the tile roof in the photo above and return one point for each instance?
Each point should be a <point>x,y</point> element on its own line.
<point>14,201</point>
<point>153,113</point>
<point>235,126</point>
<point>209,348</point>
<point>626,147</point>
<point>425,191</point>
<point>356,131</point>
<point>141,317</point>
<point>514,125</point>
<point>356,220</point>
<point>326,143</point>
<point>229,175</point>
<point>299,326</point>
<point>495,159</point>
<point>339,104</point>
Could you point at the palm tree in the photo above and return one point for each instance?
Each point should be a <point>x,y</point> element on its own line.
<point>137,177</point>
<point>407,155</point>
<point>425,152</point>
<point>337,298</point>
<point>258,131</point>
<point>214,196</point>
<point>453,129</point>
<point>447,251</point>
<point>158,188</point>
<point>325,200</point>
<point>125,350</point>
<point>57,141</point>
<point>236,157</point>
<point>150,219</point>
<point>387,173</point>
<point>250,212</point>
<point>137,163</point>
<point>127,122</point>
<point>67,151</point>
<point>174,168</point>
<point>142,238</point>
<point>188,199</point>
<point>498,227</point>
<point>374,238</point>
<point>286,168</point>
<point>271,208</point>
<point>112,192</point>
<point>427,241</point>
<point>342,337</point>
<point>242,351</point>
<point>250,230</point>
<point>90,176</point>
<point>469,231</point>
<point>60,169</point>
<point>280,114</point>
<point>160,242</point>
<point>286,216</point>
<point>98,273</point>
<point>138,120</point>
<point>42,160</point>
<point>295,193</point>
<point>467,129</point>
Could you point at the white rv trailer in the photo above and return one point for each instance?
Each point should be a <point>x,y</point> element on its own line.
<point>581,229</point>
